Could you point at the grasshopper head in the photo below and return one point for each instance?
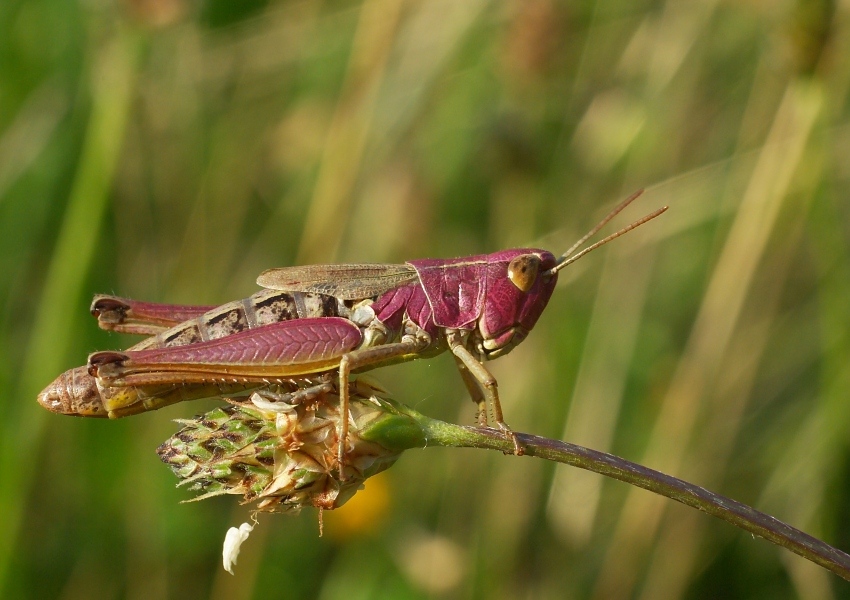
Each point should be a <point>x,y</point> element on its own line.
<point>520,282</point>
<point>519,286</point>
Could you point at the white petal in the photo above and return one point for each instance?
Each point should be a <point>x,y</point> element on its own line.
<point>232,542</point>
<point>275,407</point>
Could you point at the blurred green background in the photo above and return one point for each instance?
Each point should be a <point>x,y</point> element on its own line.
<point>170,150</point>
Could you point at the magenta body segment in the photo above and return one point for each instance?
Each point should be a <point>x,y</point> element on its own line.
<point>391,308</point>
<point>455,288</point>
<point>149,312</point>
<point>167,313</point>
<point>475,291</point>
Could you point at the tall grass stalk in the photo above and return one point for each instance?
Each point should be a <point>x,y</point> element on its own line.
<point>72,258</point>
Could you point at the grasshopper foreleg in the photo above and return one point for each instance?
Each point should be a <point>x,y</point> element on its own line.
<point>476,375</point>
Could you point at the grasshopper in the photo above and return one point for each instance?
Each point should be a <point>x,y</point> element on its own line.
<point>311,321</point>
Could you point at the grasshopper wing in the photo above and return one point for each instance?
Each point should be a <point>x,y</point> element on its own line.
<point>348,282</point>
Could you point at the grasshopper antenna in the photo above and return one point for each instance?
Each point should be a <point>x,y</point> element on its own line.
<point>568,257</point>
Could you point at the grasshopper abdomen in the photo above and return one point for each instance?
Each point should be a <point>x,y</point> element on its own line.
<point>261,309</point>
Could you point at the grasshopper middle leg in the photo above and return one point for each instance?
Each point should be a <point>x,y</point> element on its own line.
<point>361,358</point>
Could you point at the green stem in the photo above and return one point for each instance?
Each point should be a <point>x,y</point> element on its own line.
<point>734,512</point>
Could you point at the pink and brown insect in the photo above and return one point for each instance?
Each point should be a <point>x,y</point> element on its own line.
<point>314,321</point>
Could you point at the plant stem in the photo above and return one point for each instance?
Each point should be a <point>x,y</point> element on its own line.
<point>731,511</point>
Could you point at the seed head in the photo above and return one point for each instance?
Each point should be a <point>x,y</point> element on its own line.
<point>283,456</point>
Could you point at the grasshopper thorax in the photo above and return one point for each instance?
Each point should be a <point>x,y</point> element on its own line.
<point>497,297</point>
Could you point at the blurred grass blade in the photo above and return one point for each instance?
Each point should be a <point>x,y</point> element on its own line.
<point>26,137</point>
<point>349,130</point>
<point>711,333</point>
<point>601,381</point>
<point>72,258</point>
<point>809,466</point>
<point>683,540</point>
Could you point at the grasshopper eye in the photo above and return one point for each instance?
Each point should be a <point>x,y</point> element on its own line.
<point>522,271</point>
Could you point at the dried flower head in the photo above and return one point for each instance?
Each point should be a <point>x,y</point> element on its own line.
<point>283,456</point>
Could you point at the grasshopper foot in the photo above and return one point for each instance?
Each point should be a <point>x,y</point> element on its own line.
<point>519,449</point>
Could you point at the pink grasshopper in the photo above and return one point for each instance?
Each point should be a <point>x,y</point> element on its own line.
<point>314,320</point>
